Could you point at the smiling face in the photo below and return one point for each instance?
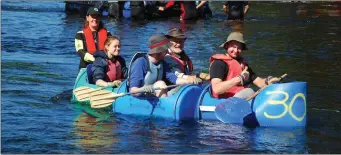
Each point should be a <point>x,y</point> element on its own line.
<point>233,49</point>
<point>93,21</point>
<point>112,48</point>
<point>177,45</point>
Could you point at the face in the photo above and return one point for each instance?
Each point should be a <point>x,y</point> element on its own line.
<point>160,56</point>
<point>113,49</point>
<point>93,20</point>
<point>177,45</point>
<point>233,48</point>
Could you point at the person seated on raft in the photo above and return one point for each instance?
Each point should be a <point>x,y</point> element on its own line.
<point>151,71</point>
<point>91,38</point>
<point>230,74</point>
<point>176,58</point>
<point>109,68</point>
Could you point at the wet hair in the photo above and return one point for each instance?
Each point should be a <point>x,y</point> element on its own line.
<point>109,40</point>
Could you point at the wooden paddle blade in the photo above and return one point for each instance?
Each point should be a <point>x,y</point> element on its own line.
<point>101,103</point>
<point>100,93</point>
<point>82,93</point>
<point>232,110</point>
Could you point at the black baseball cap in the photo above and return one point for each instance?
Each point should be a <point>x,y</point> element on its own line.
<point>93,11</point>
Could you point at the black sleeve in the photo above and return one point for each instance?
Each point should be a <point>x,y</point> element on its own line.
<point>218,69</point>
<point>80,38</point>
<point>108,33</point>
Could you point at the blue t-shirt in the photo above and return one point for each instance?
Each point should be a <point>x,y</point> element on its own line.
<point>139,70</point>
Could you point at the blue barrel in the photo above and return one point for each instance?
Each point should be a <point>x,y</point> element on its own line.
<point>281,105</point>
<point>181,105</point>
<point>277,105</point>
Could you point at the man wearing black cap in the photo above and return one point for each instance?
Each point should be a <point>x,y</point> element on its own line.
<point>150,72</point>
<point>91,38</point>
<point>229,73</point>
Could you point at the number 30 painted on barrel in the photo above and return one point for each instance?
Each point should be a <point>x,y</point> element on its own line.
<point>281,105</point>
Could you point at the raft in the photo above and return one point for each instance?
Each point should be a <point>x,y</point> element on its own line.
<point>82,80</point>
<point>278,105</point>
<point>182,105</point>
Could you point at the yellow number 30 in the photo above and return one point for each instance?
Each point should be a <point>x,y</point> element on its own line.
<point>286,107</point>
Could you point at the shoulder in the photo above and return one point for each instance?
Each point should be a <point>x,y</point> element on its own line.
<point>80,35</point>
<point>140,61</point>
<point>219,63</point>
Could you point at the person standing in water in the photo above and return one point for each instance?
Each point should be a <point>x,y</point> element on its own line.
<point>91,38</point>
<point>236,10</point>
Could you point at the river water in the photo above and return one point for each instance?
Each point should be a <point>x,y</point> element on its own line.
<point>39,65</point>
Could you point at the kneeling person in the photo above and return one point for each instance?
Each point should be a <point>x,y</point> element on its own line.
<point>151,71</point>
<point>109,68</point>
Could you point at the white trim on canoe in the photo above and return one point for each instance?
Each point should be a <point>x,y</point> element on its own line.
<point>207,108</point>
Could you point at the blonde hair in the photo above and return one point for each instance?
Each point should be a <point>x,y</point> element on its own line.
<point>109,40</point>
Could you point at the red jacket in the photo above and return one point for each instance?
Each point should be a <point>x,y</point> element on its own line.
<point>90,42</point>
<point>234,69</point>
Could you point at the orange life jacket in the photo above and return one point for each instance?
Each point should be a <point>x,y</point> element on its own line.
<point>183,64</point>
<point>234,69</point>
<point>90,42</point>
<point>114,71</point>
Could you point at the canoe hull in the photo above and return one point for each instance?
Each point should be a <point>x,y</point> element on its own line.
<point>277,105</point>
<point>181,105</point>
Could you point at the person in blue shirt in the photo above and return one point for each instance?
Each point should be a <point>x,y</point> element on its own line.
<point>152,71</point>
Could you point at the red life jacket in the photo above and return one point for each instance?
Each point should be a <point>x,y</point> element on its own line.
<point>114,71</point>
<point>234,69</point>
<point>183,64</point>
<point>90,42</point>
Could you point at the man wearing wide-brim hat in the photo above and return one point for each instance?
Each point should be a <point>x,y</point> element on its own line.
<point>178,60</point>
<point>230,74</point>
<point>150,71</point>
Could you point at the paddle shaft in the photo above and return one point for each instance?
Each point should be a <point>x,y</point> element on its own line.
<point>255,94</point>
<point>170,86</point>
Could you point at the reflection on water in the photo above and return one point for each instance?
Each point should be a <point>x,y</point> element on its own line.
<point>94,136</point>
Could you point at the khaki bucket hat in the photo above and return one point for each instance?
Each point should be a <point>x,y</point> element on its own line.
<point>236,36</point>
<point>176,33</point>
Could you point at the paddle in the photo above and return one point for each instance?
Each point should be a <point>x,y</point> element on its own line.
<point>259,90</point>
<point>103,98</point>
<point>233,110</point>
<point>83,93</point>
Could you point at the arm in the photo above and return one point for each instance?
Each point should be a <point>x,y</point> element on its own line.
<point>259,82</point>
<point>173,66</point>
<point>168,5</point>
<point>138,71</point>
<point>80,48</point>
<point>219,86</point>
<point>98,69</point>
<point>226,10</point>
<point>218,72</point>
<point>200,4</point>
<point>246,8</point>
